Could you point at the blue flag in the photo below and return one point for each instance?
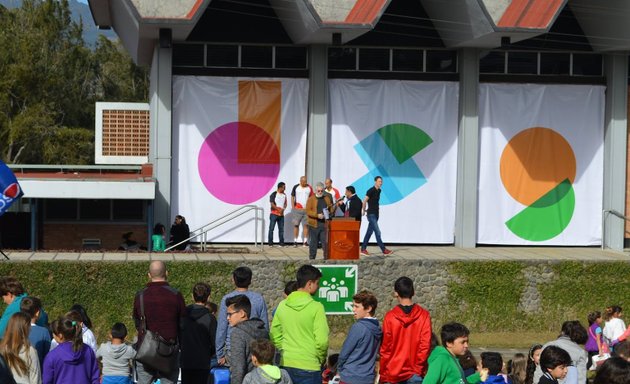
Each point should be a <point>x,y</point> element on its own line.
<point>9,188</point>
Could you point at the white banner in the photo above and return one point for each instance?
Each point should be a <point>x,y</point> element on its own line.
<point>541,164</point>
<point>234,139</point>
<point>406,132</point>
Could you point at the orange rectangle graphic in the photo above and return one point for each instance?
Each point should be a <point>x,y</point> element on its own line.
<point>259,117</point>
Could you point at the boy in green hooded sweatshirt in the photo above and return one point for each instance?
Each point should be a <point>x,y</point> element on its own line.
<point>444,368</point>
<point>300,330</point>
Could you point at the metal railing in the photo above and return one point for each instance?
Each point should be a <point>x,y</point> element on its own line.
<point>605,214</point>
<point>203,230</point>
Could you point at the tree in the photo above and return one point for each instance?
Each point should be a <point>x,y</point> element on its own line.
<point>118,78</point>
<point>50,80</point>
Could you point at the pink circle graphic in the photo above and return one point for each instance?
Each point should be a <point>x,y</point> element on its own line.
<point>239,163</point>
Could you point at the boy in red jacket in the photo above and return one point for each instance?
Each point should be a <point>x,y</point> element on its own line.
<point>406,338</point>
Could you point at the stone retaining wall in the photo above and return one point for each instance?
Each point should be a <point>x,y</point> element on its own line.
<point>430,277</point>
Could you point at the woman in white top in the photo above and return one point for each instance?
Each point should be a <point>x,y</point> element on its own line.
<point>614,326</point>
<point>20,356</point>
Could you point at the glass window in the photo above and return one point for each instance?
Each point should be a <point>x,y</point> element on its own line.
<point>291,58</point>
<point>61,209</point>
<point>442,61</point>
<point>128,210</point>
<point>94,209</point>
<point>492,62</point>
<point>373,59</point>
<point>555,63</point>
<point>221,55</point>
<point>188,55</point>
<point>523,63</point>
<point>407,60</point>
<point>255,56</point>
<point>586,64</point>
<point>342,58</point>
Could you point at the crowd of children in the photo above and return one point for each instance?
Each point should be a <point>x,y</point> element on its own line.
<point>403,350</point>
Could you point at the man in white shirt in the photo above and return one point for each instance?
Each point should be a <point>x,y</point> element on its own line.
<point>278,201</point>
<point>299,195</point>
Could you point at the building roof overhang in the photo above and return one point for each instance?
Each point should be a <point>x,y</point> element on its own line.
<point>85,182</point>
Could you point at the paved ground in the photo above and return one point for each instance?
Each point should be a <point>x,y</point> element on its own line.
<point>238,252</point>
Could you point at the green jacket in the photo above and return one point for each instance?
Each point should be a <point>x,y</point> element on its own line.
<point>300,330</point>
<point>444,368</point>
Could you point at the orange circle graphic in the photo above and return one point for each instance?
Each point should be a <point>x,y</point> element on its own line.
<point>534,162</point>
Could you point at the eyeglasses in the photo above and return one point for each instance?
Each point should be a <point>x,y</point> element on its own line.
<point>229,314</point>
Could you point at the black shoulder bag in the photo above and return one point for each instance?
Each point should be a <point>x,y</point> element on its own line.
<point>155,351</point>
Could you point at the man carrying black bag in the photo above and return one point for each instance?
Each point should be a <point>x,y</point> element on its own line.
<point>158,313</point>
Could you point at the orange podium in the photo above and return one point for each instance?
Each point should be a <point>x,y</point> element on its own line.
<point>343,238</point>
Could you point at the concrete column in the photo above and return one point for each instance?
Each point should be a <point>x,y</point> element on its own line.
<point>615,146</point>
<point>318,132</point>
<point>160,154</point>
<point>468,150</point>
<point>34,224</point>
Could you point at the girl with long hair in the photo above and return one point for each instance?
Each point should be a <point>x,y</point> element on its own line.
<point>17,351</point>
<point>533,360</point>
<point>72,361</point>
<point>518,369</point>
<point>614,326</point>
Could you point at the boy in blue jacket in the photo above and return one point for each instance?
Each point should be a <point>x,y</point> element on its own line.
<point>357,359</point>
<point>493,362</point>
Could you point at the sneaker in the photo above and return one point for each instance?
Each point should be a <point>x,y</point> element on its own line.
<point>295,244</point>
<point>365,252</point>
<point>282,245</point>
<point>387,252</point>
<point>305,244</point>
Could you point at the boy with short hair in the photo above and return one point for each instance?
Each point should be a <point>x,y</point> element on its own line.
<point>116,356</point>
<point>493,362</point>
<point>39,337</point>
<point>406,337</point>
<point>444,368</point>
<point>357,359</point>
<point>242,279</point>
<point>244,331</point>
<point>263,353</point>
<point>300,329</point>
<point>199,328</point>
<point>554,362</point>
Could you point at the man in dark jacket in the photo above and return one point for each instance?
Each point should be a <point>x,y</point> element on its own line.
<point>164,311</point>
<point>244,331</point>
<point>197,346</point>
<point>351,206</point>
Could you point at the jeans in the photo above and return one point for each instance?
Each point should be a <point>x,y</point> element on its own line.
<point>117,380</point>
<point>301,376</point>
<point>273,219</point>
<point>373,228</point>
<point>147,375</point>
<point>315,236</point>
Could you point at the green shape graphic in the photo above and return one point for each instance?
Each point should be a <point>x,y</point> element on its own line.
<point>547,217</point>
<point>404,140</point>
